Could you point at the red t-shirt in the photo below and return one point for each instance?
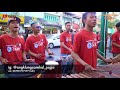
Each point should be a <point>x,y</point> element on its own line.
<point>85,44</point>
<point>116,38</point>
<point>67,39</point>
<point>98,37</point>
<point>37,45</point>
<point>12,48</point>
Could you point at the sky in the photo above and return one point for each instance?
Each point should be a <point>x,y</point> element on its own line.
<point>79,13</point>
<point>36,13</point>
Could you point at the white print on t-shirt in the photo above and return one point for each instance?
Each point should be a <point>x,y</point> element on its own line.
<point>39,43</point>
<point>68,39</point>
<point>91,43</point>
<point>119,37</point>
<point>11,48</point>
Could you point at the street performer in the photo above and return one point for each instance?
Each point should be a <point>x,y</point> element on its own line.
<point>85,45</point>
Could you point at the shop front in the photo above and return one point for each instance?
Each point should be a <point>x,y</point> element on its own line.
<point>51,27</point>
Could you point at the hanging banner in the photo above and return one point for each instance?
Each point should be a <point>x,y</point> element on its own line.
<point>29,20</point>
<point>4,18</point>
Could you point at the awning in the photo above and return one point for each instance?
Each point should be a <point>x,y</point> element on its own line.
<point>60,26</point>
<point>53,24</point>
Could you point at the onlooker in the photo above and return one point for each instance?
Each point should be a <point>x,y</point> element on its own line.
<point>66,47</point>
<point>98,40</point>
<point>61,31</point>
<point>27,32</point>
<point>115,38</point>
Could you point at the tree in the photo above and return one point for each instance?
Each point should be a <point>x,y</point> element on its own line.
<point>112,19</point>
<point>112,23</point>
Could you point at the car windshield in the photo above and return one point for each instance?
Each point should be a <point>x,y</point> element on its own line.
<point>51,36</point>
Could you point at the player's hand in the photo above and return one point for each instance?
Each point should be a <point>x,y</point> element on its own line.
<point>50,53</point>
<point>89,68</point>
<point>108,60</point>
<point>70,50</point>
<point>4,61</point>
<point>29,60</point>
<point>115,60</point>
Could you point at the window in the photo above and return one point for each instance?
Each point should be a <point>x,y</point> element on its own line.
<point>51,18</point>
<point>45,17</point>
<point>55,19</point>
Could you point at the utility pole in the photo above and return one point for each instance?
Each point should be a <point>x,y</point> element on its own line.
<point>106,30</point>
<point>103,34</point>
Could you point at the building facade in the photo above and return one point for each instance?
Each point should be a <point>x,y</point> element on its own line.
<point>52,22</point>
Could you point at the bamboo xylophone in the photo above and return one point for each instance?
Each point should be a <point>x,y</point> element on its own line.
<point>108,71</point>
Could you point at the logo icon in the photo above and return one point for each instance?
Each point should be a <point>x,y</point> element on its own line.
<point>9,49</point>
<point>89,45</point>
<point>36,45</point>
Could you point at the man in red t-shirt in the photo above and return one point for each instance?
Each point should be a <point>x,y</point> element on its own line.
<point>12,45</point>
<point>36,44</point>
<point>115,38</point>
<point>85,44</point>
<point>12,48</point>
<point>66,46</point>
<point>66,40</point>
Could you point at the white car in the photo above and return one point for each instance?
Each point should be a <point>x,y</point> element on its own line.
<point>53,40</point>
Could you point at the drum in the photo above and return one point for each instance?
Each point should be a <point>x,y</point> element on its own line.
<point>53,63</point>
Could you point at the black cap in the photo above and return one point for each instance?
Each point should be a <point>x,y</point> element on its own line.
<point>14,19</point>
<point>118,24</point>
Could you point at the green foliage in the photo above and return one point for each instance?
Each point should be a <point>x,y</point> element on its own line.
<point>99,25</point>
<point>111,24</point>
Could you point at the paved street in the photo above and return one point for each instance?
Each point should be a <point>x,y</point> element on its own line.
<point>56,51</point>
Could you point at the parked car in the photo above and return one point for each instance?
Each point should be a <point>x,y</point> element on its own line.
<point>53,40</point>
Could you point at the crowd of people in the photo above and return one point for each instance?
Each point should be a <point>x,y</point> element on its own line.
<point>80,46</point>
